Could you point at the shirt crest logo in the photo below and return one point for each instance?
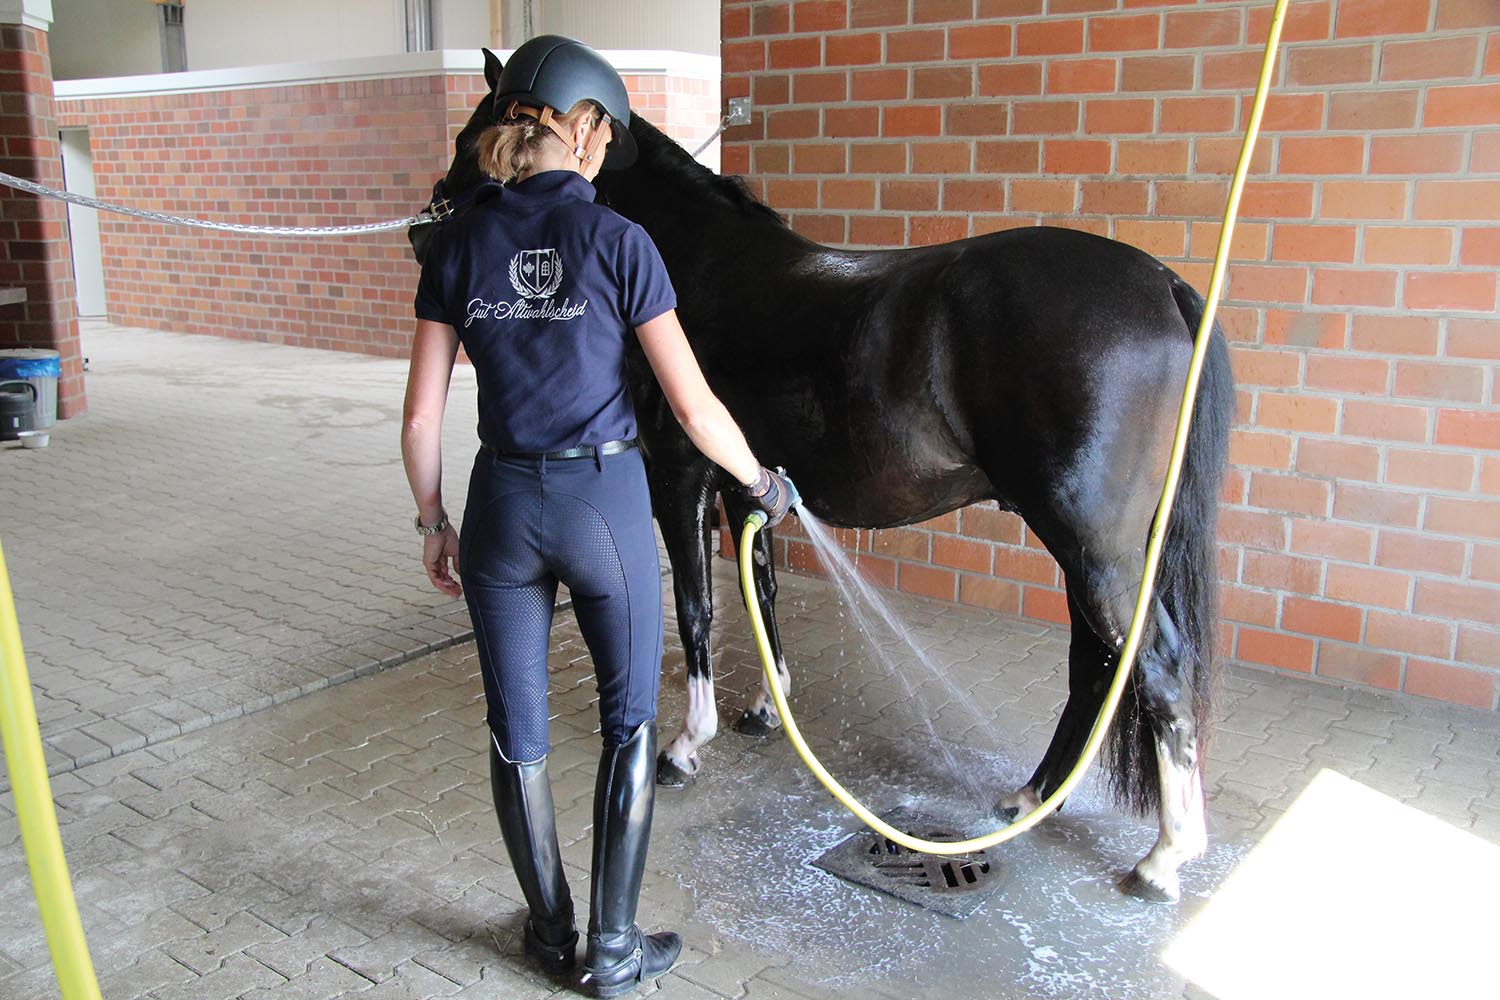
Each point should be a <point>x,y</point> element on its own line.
<point>536,274</point>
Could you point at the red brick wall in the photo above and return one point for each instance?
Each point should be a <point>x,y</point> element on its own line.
<point>325,154</point>
<point>34,252</point>
<point>686,108</point>
<point>1361,528</point>
<point>314,155</point>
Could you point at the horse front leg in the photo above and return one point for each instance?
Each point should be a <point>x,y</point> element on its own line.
<point>760,716</point>
<point>683,498</point>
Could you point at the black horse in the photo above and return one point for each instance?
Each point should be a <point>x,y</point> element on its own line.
<point>1041,368</point>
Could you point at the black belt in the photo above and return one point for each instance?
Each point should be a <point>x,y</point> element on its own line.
<point>582,451</point>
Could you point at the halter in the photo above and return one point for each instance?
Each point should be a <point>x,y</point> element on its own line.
<point>585,154</point>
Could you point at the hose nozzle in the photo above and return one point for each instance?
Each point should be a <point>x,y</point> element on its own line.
<point>796,499</point>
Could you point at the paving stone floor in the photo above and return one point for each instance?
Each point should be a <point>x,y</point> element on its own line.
<point>335,838</point>
<point>227,528</point>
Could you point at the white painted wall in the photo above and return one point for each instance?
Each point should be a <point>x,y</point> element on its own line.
<point>83,223</point>
<point>680,25</point>
<point>108,38</point>
<point>463,24</point>
<point>94,38</point>
<point>224,33</point>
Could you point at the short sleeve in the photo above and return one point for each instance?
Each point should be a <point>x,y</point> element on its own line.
<point>646,290</point>
<point>431,298</point>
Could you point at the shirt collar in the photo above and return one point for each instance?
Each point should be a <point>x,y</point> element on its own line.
<point>539,189</point>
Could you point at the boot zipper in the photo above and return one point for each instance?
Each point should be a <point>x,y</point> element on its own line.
<point>634,956</point>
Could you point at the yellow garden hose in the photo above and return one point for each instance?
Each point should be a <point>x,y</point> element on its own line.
<point>756,520</point>
<point>34,812</point>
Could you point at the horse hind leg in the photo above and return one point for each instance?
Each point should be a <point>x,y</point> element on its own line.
<point>1183,831</point>
<point>1166,698</point>
<point>760,716</point>
<point>1153,752</point>
<point>1090,663</point>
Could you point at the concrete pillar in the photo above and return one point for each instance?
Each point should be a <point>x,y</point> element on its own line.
<point>34,250</point>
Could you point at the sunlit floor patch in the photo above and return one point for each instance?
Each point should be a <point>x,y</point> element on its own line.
<point>1351,894</point>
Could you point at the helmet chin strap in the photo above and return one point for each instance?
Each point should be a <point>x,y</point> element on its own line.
<point>584,154</point>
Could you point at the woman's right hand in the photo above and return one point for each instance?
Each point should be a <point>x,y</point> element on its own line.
<point>437,552</point>
<point>773,493</point>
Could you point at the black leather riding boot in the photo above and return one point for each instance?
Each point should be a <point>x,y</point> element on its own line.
<point>619,954</point>
<point>523,802</point>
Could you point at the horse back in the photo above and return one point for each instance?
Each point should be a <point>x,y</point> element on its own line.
<point>896,385</point>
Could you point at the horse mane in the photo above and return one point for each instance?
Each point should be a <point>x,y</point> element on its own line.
<point>667,155</point>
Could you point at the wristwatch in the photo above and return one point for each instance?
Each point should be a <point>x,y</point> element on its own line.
<point>434,529</point>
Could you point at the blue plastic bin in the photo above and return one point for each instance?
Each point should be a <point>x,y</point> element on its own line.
<point>42,368</point>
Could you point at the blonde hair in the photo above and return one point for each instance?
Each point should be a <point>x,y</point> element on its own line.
<point>508,150</point>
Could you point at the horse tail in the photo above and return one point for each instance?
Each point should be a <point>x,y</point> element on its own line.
<point>1180,640</point>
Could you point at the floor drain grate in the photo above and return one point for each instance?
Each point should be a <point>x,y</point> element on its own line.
<point>955,886</point>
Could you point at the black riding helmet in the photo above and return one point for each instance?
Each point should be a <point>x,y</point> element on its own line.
<point>557,72</point>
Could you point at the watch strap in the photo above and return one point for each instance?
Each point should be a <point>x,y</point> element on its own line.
<point>431,529</point>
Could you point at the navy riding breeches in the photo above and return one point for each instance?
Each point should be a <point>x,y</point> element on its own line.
<point>530,523</point>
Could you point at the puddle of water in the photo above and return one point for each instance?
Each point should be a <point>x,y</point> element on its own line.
<point>743,839</point>
<point>744,843</point>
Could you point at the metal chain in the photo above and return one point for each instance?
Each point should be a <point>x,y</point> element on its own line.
<point>422,218</point>
<point>723,124</point>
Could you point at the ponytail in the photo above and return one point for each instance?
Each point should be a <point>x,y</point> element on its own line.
<point>508,150</point>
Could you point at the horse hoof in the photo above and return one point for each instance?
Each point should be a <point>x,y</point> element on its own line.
<point>1022,802</point>
<point>1135,884</point>
<point>669,775</point>
<point>756,724</point>
<point>1012,813</point>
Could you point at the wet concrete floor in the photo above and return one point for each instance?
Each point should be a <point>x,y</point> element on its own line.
<point>334,838</point>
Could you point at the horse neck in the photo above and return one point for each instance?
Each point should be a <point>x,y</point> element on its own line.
<point>715,241</point>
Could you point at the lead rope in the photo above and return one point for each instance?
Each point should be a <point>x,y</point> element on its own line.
<point>422,218</point>
<point>756,520</point>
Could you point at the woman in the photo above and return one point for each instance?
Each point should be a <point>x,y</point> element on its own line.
<point>543,287</point>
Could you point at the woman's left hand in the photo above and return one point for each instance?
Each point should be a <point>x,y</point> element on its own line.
<point>437,550</point>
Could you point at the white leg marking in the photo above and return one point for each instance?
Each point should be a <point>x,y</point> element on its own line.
<point>1023,800</point>
<point>1184,832</point>
<point>700,725</point>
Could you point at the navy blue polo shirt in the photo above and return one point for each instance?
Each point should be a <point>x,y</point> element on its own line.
<point>544,287</point>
